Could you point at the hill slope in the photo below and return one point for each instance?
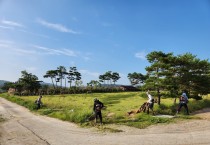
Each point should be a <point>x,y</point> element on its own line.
<point>2,82</point>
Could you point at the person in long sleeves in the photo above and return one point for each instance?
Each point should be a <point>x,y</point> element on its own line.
<point>150,102</point>
<point>98,105</point>
<point>39,102</point>
<point>183,100</point>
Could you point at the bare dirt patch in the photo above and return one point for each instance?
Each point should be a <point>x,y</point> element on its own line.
<point>203,114</point>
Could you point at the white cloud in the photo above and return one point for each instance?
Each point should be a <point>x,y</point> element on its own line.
<point>12,23</point>
<point>5,27</point>
<point>141,55</point>
<point>14,48</point>
<point>68,52</point>
<point>35,34</point>
<point>24,51</point>
<point>64,51</point>
<point>57,27</point>
<point>5,43</point>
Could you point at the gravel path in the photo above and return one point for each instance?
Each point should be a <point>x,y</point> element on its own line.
<point>25,128</point>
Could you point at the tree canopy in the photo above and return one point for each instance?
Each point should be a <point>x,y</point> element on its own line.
<point>176,73</point>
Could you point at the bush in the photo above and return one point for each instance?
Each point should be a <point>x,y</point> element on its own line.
<point>197,97</point>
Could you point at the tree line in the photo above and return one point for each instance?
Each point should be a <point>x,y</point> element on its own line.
<point>166,73</point>
<point>177,73</point>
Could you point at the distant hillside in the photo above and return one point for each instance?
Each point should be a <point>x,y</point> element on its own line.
<point>2,82</point>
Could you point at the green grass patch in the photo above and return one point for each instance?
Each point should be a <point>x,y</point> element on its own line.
<point>143,120</point>
<point>77,108</point>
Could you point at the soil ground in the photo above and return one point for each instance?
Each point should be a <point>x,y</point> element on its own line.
<point>21,127</point>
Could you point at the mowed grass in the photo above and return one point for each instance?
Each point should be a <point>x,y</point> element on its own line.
<point>78,108</point>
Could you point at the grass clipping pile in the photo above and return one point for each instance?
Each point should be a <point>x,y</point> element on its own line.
<point>143,108</point>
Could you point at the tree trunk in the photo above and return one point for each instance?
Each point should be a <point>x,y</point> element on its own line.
<point>70,84</point>
<point>65,82</point>
<point>53,83</point>
<point>158,91</point>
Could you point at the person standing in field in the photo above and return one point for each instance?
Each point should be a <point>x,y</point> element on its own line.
<point>98,105</point>
<point>150,102</point>
<point>39,102</point>
<point>183,100</point>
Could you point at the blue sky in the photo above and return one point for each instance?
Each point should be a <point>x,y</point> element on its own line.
<point>98,36</point>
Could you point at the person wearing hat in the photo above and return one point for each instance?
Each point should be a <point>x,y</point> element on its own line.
<point>98,105</point>
<point>183,100</point>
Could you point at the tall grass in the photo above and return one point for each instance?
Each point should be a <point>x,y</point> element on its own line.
<point>78,108</point>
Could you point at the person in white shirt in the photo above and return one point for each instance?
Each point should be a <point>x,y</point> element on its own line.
<point>150,102</point>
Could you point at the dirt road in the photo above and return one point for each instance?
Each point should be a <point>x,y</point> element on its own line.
<point>25,128</point>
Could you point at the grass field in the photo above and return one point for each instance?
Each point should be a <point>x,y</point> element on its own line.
<point>78,108</point>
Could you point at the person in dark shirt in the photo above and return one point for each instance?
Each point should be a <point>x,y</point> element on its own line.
<point>183,100</point>
<point>39,102</point>
<point>98,105</point>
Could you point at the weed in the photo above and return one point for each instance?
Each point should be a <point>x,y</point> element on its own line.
<point>78,108</point>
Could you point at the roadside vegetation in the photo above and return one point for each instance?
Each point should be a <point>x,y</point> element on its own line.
<point>67,98</point>
<point>166,72</point>
<point>78,108</point>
